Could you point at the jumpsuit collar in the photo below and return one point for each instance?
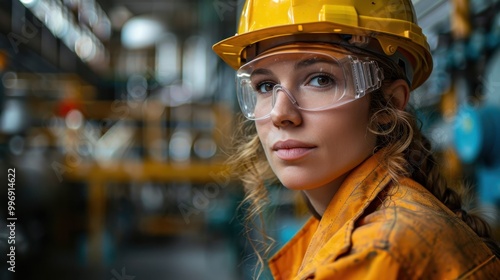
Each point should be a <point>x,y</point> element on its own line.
<point>355,194</point>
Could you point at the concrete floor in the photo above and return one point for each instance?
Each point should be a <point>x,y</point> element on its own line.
<point>180,259</point>
<point>186,258</point>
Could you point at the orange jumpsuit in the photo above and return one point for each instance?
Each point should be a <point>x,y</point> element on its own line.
<point>374,229</point>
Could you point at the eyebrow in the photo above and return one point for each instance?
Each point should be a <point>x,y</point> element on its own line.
<point>261,71</point>
<point>310,61</point>
<point>300,64</point>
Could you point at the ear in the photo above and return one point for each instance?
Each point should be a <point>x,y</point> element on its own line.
<point>398,93</point>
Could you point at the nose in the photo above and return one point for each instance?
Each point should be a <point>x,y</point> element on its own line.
<point>284,112</point>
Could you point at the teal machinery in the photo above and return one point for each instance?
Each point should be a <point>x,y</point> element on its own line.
<point>477,135</point>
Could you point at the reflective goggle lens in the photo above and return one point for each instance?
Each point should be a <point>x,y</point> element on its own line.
<point>312,81</point>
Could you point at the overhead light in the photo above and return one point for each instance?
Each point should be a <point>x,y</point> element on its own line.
<point>85,48</point>
<point>167,59</point>
<point>78,37</point>
<point>58,23</point>
<point>29,3</point>
<point>194,65</point>
<point>141,32</point>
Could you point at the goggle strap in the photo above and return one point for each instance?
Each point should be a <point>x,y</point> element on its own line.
<point>367,76</point>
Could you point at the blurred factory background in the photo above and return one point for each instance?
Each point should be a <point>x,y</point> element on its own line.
<point>116,116</point>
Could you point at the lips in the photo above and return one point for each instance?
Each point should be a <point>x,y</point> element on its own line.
<point>292,149</point>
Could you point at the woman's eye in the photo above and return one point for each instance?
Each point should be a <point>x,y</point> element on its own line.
<point>265,87</point>
<point>321,81</point>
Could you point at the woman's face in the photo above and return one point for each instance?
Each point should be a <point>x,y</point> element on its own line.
<point>313,149</point>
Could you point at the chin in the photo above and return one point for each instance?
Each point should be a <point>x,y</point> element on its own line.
<point>294,187</point>
<point>298,184</point>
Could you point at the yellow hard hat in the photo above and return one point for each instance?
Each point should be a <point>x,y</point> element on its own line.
<point>392,23</point>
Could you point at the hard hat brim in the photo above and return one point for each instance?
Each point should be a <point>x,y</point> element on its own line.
<point>231,49</point>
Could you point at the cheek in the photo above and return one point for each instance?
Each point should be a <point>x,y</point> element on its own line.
<point>262,128</point>
<point>348,132</point>
<point>262,132</point>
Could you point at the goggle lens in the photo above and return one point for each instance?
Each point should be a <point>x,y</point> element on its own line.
<point>312,81</point>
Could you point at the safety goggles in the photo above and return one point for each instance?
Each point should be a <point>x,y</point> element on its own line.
<point>313,81</point>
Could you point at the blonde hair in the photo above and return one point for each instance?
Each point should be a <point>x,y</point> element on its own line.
<point>249,164</point>
<point>407,153</point>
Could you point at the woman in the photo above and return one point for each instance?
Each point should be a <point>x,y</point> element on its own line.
<point>325,84</point>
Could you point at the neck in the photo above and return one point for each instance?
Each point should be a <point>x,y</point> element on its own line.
<point>319,198</point>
